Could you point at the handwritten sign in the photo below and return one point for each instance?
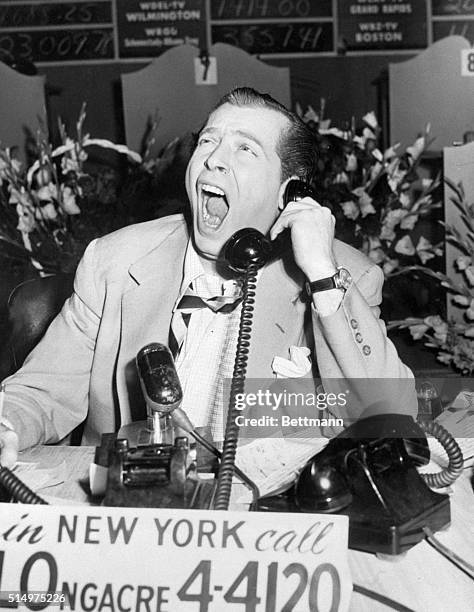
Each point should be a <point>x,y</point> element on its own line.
<point>84,558</point>
<point>385,24</point>
<point>56,31</point>
<point>452,7</point>
<point>295,37</point>
<point>266,9</point>
<point>147,29</point>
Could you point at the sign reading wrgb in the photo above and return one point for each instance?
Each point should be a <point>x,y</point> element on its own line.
<point>124,559</point>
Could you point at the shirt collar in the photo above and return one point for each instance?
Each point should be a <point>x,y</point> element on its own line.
<point>205,285</point>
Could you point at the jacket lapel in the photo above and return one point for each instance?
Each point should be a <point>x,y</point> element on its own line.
<point>147,305</point>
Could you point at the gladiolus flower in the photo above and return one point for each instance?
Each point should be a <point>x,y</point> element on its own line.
<point>68,201</point>
<point>462,300</point>
<point>390,265</point>
<point>405,246</point>
<point>371,120</point>
<point>350,209</point>
<point>365,201</point>
<point>463,262</point>
<point>47,212</point>
<point>26,219</point>
<point>417,331</point>
<point>351,163</point>
<point>469,272</point>
<point>417,148</point>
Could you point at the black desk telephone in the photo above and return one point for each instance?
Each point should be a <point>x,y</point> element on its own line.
<point>369,474</point>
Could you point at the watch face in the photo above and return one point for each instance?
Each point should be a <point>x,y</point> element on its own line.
<point>343,279</point>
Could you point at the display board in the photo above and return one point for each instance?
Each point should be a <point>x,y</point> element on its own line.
<point>281,27</point>
<point>387,24</point>
<point>56,31</point>
<point>81,31</point>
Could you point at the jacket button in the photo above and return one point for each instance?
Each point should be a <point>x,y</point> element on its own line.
<point>354,324</point>
<point>358,337</point>
<point>366,349</point>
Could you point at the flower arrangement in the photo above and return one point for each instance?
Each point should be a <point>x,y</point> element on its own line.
<point>452,339</point>
<point>40,202</point>
<point>377,197</point>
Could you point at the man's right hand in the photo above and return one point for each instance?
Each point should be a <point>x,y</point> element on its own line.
<point>8,446</point>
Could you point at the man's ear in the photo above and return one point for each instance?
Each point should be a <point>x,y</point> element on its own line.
<point>281,192</point>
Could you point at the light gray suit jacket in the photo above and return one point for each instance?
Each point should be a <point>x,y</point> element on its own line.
<point>125,289</point>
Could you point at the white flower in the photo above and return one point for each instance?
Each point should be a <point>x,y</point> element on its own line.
<point>377,155</point>
<point>46,212</point>
<point>341,178</point>
<point>68,201</point>
<point>351,163</point>
<point>408,222</point>
<point>371,120</point>
<point>424,248</point>
<point>47,193</point>
<point>311,115</point>
<point>463,262</point>
<point>390,265</point>
<point>391,152</point>
<point>393,217</point>
<point>19,197</point>
<point>387,233</point>
<point>365,201</point>
<point>470,311</point>
<point>462,300</point>
<point>469,272</point>
<point>350,209</point>
<point>405,198</point>
<point>469,332</point>
<point>405,246</point>
<point>417,331</point>
<point>368,134</point>
<point>417,148</point>
<point>26,219</point>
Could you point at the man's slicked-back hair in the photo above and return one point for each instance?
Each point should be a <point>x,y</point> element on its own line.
<point>296,146</point>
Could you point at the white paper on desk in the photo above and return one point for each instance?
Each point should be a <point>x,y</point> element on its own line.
<point>460,425</point>
<point>274,463</point>
<point>40,478</point>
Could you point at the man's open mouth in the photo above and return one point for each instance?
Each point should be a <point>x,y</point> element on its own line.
<point>214,205</point>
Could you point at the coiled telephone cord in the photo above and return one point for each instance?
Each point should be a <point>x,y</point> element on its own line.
<point>17,489</point>
<point>231,436</point>
<point>456,461</point>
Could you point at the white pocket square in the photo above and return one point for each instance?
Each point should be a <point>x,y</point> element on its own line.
<point>299,363</point>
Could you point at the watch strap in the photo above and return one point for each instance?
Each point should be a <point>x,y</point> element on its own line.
<point>323,284</point>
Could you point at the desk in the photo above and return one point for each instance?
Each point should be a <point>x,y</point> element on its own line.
<point>421,580</point>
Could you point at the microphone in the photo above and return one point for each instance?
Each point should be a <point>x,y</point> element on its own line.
<point>163,395</point>
<point>161,389</point>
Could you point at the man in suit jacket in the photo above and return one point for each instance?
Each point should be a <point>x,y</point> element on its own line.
<point>128,284</point>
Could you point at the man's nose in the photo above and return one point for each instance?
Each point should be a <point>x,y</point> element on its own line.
<point>218,159</point>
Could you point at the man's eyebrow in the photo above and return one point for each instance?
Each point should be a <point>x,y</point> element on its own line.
<point>249,136</point>
<point>242,133</point>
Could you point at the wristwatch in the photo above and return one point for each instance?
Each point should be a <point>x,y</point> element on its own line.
<point>341,280</point>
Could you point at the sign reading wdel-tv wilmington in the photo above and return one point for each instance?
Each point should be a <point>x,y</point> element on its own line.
<point>148,28</point>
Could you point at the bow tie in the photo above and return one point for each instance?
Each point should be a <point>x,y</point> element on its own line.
<point>220,303</point>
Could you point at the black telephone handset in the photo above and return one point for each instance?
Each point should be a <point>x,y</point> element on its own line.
<point>369,473</point>
<point>249,246</point>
